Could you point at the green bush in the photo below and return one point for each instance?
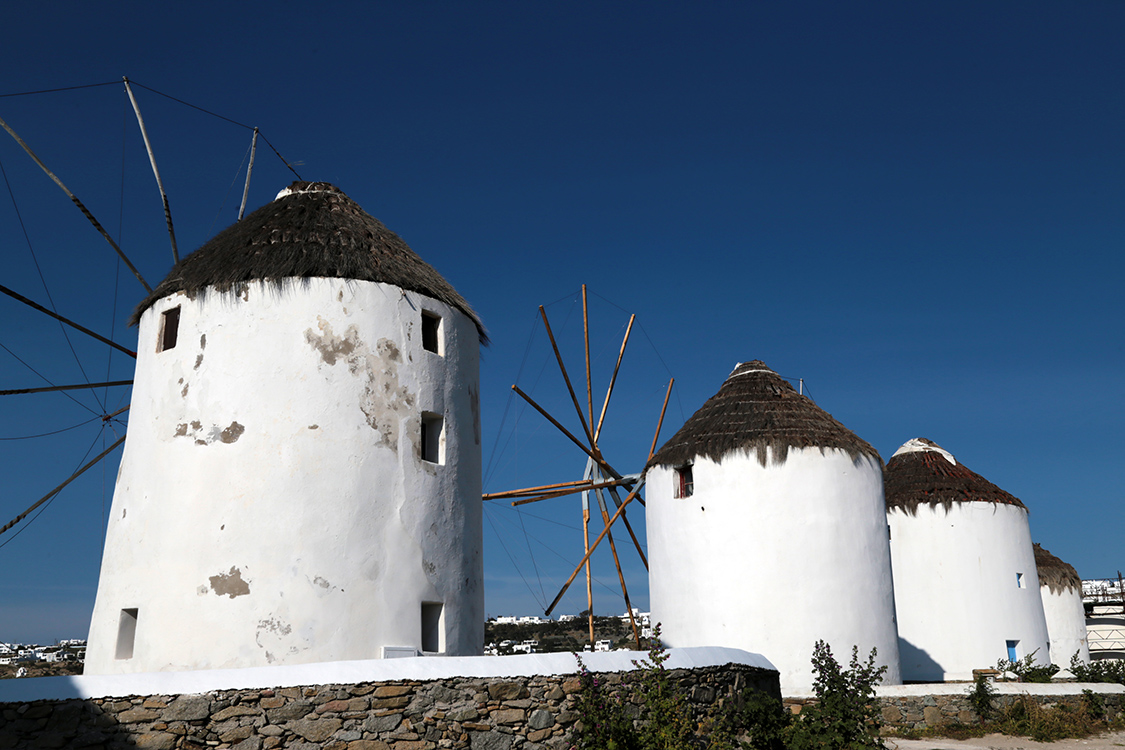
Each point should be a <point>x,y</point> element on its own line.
<point>1103,670</point>
<point>980,698</point>
<point>846,716</point>
<point>1026,670</point>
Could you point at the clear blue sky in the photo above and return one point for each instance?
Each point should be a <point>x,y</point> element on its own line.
<point>915,207</point>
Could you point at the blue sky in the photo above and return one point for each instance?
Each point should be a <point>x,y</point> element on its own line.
<point>915,207</point>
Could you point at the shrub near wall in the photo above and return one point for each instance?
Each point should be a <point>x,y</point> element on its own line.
<point>528,713</point>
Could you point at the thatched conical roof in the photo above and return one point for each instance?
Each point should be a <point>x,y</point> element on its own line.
<point>310,230</point>
<point>921,472</point>
<point>756,410</point>
<point>1054,573</point>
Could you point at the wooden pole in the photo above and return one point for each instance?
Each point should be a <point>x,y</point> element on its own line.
<point>589,387</point>
<point>632,534</point>
<point>612,380</point>
<point>600,461</point>
<point>71,323</point>
<point>589,579</point>
<point>663,409</point>
<point>249,169</point>
<point>562,493</point>
<point>566,377</point>
<point>59,489</point>
<point>155,171</point>
<point>594,546</point>
<point>81,206</point>
<point>530,490</point>
<point>620,575</point>
<point>19,391</point>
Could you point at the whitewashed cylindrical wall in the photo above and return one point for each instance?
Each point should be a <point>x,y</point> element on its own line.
<point>1066,625</point>
<point>274,504</point>
<point>965,587</point>
<point>771,559</point>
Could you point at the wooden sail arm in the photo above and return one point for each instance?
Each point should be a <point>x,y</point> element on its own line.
<point>564,493</point>
<point>620,575</point>
<point>597,457</point>
<point>660,422</point>
<point>569,487</point>
<point>155,171</point>
<point>530,490</point>
<point>19,297</point>
<point>566,377</point>
<point>612,380</point>
<point>80,386</point>
<point>81,206</point>
<point>59,489</point>
<point>629,527</point>
<point>628,499</point>
<point>249,169</point>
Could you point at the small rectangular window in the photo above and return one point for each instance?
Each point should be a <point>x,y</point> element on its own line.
<point>433,439</point>
<point>169,329</point>
<point>1019,581</point>
<point>1011,645</point>
<point>431,332</point>
<point>432,640</point>
<point>685,483</point>
<point>126,633</point>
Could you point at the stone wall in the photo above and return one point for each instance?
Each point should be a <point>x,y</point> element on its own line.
<point>528,713</point>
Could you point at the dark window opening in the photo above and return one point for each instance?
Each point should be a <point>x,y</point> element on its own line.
<point>432,442</point>
<point>126,633</point>
<point>685,483</point>
<point>169,329</point>
<point>431,332</point>
<point>431,627</point>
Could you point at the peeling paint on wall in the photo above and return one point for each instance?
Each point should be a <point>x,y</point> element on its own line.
<point>229,434</point>
<point>385,403</point>
<point>230,584</point>
<point>232,433</point>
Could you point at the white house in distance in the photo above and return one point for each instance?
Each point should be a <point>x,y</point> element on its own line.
<point>1061,589</point>
<point>966,588</point>
<point>302,475</point>
<point>767,531</point>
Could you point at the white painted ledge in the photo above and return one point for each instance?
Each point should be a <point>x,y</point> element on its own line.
<point>352,672</point>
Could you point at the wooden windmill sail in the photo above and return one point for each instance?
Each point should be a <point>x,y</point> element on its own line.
<point>107,416</point>
<point>601,483</point>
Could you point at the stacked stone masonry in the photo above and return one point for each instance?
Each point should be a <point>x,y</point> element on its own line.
<point>529,713</point>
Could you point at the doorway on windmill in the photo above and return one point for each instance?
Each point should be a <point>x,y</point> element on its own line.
<point>126,633</point>
<point>169,329</point>
<point>1012,655</point>
<point>433,634</point>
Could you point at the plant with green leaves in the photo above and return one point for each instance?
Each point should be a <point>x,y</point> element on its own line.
<point>1026,670</point>
<point>845,716</point>
<point>605,723</point>
<point>981,697</point>
<point>1103,670</point>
